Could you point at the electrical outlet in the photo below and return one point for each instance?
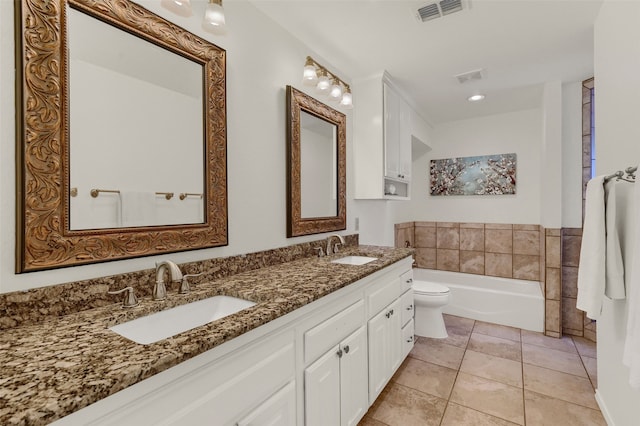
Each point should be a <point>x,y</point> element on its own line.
<point>357,223</point>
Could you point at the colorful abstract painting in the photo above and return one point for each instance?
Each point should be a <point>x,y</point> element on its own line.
<point>483,175</point>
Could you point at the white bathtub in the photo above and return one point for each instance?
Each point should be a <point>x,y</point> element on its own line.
<point>517,303</point>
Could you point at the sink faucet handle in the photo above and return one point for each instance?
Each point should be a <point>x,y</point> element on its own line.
<point>129,300</point>
<point>335,247</point>
<point>320,251</point>
<point>184,287</point>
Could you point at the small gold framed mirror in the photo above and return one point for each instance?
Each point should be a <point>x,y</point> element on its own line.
<point>316,166</point>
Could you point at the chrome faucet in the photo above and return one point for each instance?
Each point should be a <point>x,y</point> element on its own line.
<point>160,290</point>
<point>334,249</point>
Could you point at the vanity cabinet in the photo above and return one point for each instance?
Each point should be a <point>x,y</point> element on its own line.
<point>335,385</point>
<point>382,140</point>
<point>322,364</point>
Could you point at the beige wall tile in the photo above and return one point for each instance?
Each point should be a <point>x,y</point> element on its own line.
<point>447,224</point>
<point>553,232</point>
<point>569,281</point>
<point>553,284</point>
<point>521,227</point>
<point>472,262</point>
<point>526,267</point>
<point>472,239</point>
<point>571,250</point>
<point>553,252</point>
<point>448,238</point>
<point>404,225</point>
<point>498,226</point>
<point>576,232</point>
<point>472,225</point>
<point>427,224</point>
<point>526,242</point>
<point>425,237</point>
<point>552,316</point>
<point>426,258</point>
<point>498,265</point>
<point>498,241</point>
<point>404,236</point>
<point>448,260</point>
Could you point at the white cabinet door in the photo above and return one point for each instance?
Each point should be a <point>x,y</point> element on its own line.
<point>395,337</point>
<point>279,410</point>
<point>354,391</point>
<point>406,305</point>
<point>391,132</point>
<point>322,390</point>
<point>408,338</point>
<point>404,139</point>
<point>385,348</point>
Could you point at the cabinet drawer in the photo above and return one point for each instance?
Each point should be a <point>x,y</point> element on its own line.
<point>407,338</point>
<point>407,279</point>
<point>384,296</point>
<point>406,304</point>
<point>330,332</point>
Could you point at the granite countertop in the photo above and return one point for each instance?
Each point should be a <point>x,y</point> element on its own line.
<point>52,369</point>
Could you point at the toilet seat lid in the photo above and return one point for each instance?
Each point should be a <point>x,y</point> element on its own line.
<point>426,287</point>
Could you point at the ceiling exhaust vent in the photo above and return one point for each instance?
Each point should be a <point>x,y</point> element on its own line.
<point>438,9</point>
<point>470,76</point>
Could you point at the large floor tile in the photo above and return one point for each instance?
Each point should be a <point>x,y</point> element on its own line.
<point>436,352</point>
<point>370,421</point>
<point>496,346</point>
<point>457,415</point>
<point>534,338</point>
<point>566,387</point>
<point>398,405</point>
<point>492,367</point>
<point>591,364</point>
<point>497,330</point>
<point>585,347</point>
<point>554,359</point>
<point>542,410</point>
<point>426,377</point>
<point>459,330</point>
<point>490,397</point>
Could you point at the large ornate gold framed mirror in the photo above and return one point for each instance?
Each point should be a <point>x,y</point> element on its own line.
<point>74,141</point>
<point>316,166</point>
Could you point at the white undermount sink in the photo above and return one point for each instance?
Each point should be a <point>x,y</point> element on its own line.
<point>354,260</point>
<point>155,327</point>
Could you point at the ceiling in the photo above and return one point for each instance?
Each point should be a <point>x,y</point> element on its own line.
<point>520,45</point>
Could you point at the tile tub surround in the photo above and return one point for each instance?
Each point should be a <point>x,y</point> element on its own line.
<point>37,305</point>
<point>527,252</point>
<point>60,365</point>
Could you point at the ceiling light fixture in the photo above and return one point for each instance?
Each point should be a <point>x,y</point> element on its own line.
<point>213,20</point>
<point>326,83</point>
<point>475,98</point>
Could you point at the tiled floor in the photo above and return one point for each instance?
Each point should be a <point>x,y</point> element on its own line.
<point>488,374</point>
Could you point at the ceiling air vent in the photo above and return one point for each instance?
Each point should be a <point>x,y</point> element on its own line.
<point>470,76</point>
<point>438,9</point>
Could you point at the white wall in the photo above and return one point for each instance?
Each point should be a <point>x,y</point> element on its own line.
<point>262,59</point>
<point>572,155</point>
<point>551,156</point>
<point>617,61</point>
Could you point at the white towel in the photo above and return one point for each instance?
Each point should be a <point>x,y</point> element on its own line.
<point>618,195</point>
<point>631,354</point>
<point>138,208</point>
<point>591,273</point>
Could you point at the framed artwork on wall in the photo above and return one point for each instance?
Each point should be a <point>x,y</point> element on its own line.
<point>481,175</point>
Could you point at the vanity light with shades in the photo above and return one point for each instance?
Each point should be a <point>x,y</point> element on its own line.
<point>213,20</point>
<point>326,83</point>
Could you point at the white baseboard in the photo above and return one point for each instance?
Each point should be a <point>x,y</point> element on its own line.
<point>603,409</point>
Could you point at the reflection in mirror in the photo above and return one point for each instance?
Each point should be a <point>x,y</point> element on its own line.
<point>318,167</point>
<point>79,136</point>
<point>135,127</point>
<point>316,151</point>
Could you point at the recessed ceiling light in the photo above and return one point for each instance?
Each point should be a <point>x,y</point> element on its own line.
<point>475,98</point>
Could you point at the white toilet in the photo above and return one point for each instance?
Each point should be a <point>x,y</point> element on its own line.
<point>429,299</point>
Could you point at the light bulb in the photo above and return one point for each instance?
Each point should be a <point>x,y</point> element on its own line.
<point>309,75</point>
<point>323,84</point>
<point>336,91</point>
<point>213,20</point>
<point>347,99</point>
<point>475,98</point>
<point>179,7</point>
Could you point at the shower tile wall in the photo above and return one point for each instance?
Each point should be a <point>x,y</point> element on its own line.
<point>553,282</point>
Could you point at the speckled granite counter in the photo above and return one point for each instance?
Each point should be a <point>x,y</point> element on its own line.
<point>54,368</point>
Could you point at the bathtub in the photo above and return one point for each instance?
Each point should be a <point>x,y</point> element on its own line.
<point>516,303</point>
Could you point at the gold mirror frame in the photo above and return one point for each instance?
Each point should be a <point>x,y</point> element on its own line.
<point>296,224</point>
<point>44,240</point>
